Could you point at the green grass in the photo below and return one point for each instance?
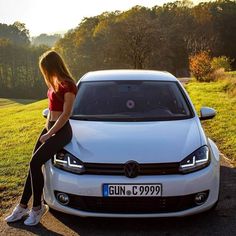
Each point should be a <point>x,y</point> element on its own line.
<point>20,124</point>
<point>222,128</point>
<point>13,102</point>
<point>231,73</point>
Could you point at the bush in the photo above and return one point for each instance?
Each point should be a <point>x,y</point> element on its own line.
<point>221,62</point>
<point>230,86</point>
<point>200,66</point>
<point>205,69</point>
<point>217,74</point>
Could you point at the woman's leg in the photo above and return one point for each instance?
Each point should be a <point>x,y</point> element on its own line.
<point>42,155</point>
<point>27,192</point>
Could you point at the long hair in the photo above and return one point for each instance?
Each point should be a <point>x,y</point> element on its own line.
<point>51,64</point>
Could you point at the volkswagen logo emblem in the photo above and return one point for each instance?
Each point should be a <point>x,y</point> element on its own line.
<point>131,169</point>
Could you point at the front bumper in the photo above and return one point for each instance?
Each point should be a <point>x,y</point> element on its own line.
<point>91,186</point>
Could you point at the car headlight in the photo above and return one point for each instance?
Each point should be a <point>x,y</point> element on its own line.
<point>66,161</point>
<point>197,160</point>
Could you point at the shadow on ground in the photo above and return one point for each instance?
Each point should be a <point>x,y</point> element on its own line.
<point>23,101</point>
<point>221,221</point>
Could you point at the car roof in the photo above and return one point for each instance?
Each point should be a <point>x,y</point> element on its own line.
<point>110,75</point>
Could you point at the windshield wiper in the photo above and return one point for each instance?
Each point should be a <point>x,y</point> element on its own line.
<point>85,117</point>
<point>125,117</point>
<point>105,117</point>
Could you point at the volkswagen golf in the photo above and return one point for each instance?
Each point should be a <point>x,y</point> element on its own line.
<point>138,150</point>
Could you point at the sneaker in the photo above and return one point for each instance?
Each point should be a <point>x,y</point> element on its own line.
<point>17,214</point>
<point>35,216</point>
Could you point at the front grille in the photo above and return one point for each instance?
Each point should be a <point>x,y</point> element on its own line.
<point>144,169</point>
<point>119,168</point>
<point>129,205</point>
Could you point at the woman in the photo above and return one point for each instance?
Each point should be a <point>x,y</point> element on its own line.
<point>56,134</point>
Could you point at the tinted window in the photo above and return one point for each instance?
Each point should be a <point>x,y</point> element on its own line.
<point>125,100</point>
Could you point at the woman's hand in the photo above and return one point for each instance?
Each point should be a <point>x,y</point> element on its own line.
<point>44,137</point>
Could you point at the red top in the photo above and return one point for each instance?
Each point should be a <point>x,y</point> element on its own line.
<point>55,103</point>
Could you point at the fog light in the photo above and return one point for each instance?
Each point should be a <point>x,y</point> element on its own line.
<point>200,198</point>
<point>63,198</point>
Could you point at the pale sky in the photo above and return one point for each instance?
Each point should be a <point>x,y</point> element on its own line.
<point>50,16</point>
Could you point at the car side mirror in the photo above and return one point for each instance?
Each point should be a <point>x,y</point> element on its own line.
<point>207,113</point>
<point>45,113</point>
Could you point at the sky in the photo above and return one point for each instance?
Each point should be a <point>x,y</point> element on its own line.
<point>56,16</point>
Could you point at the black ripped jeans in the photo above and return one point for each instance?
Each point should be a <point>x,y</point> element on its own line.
<point>42,153</point>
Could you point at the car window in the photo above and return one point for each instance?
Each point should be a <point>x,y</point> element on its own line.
<point>125,100</point>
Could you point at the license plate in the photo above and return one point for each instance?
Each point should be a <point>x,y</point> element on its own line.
<point>132,190</point>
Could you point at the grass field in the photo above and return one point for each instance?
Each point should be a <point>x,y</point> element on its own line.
<point>21,122</point>
<point>232,73</point>
<point>222,128</point>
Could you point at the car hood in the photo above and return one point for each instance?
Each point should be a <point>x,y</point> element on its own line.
<point>144,142</point>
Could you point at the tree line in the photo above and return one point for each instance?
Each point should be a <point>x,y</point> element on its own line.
<point>45,39</point>
<point>19,73</point>
<point>159,38</point>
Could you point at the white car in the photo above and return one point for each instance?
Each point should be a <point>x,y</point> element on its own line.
<point>138,150</point>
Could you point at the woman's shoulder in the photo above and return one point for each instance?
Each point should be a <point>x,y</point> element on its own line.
<point>68,86</point>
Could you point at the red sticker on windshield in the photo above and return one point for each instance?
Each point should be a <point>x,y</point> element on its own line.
<point>130,104</point>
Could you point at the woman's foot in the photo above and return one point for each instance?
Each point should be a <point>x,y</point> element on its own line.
<point>35,216</point>
<point>17,214</point>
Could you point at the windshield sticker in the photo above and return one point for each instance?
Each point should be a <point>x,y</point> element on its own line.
<point>130,104</point>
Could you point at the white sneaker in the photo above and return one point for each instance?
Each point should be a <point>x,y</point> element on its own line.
<point>35,216</point>
<point>17,214</point>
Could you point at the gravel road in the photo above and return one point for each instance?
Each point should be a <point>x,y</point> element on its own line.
<point>222,221</point>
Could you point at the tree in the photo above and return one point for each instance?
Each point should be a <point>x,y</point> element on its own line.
<point>17,33</point>
<point>19,73</point>
<point>45,39</point>
<point>160,38</point>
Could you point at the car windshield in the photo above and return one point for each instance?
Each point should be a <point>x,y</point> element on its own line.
<point>130,101</point>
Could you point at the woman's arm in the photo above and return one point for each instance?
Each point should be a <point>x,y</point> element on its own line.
<point>63,118</point>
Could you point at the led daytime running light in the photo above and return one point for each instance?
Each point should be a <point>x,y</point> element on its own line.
<point>74,165</point>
